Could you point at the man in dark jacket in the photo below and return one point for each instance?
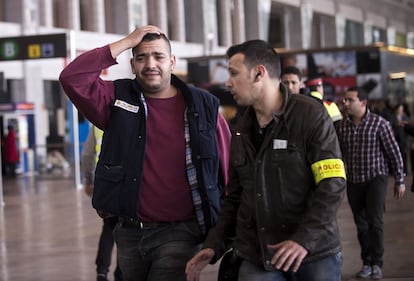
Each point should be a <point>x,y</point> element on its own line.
<point>163,160</point>
<point>286,179</point>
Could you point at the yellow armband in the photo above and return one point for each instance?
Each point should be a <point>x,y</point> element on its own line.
<point>328,168</point>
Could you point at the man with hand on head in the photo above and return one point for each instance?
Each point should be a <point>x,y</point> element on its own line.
<point>164,155</point>
<point>286,179</point>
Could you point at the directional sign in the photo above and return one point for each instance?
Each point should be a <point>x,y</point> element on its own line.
<point>33,47</point>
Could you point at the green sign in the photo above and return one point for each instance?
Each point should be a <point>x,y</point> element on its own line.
<point>33,47</point>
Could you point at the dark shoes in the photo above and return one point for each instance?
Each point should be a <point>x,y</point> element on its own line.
<point>374,272</point>
<point>101,277</point>
<point>365,272</point>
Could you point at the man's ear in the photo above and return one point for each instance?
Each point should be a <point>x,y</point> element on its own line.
<point>173,62</point>
<point>132,65</point>
<point>259,72</point>
<point>365,102</point>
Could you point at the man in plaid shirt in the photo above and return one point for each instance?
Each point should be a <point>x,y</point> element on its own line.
<point>369,148</point>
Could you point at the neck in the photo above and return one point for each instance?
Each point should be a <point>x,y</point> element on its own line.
<point>166,93</point>
<point>356,119</point>
<point>270,103</point>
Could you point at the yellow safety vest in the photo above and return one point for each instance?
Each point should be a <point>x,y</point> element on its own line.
<point>98,141</point>
<point>333,110</point>
<point>330,107</point>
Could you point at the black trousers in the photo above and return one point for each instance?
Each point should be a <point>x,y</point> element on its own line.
<point>367,202</point>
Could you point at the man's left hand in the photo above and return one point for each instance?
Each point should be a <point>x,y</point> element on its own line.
<point>399,191</point>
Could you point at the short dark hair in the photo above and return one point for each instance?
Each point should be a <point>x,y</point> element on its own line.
<point>258,52</point>
<point>362,94</point>
<point>152,37</point>
<point>292,70</point>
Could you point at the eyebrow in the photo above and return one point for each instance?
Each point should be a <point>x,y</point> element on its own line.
<point>150,54</point>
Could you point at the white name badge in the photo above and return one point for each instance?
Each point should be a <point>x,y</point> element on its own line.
<point>279,144</point>
<point>127,106</point>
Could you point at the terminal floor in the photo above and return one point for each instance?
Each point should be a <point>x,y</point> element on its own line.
<point>49,232</point>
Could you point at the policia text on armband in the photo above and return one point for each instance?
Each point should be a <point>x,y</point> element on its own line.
<point>328,168</point>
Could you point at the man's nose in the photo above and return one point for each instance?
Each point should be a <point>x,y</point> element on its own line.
<point>150,62</point>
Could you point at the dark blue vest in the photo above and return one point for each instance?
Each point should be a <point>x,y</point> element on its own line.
<point>118,173</point>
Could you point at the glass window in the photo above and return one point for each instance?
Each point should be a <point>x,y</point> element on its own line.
<point>354,33</point>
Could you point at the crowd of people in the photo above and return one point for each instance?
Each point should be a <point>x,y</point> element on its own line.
<point>185,190</point>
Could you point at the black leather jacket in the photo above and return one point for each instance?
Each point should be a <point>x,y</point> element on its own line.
<point>290,189</point>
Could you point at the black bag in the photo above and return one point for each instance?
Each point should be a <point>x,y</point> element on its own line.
<point>229,267</point>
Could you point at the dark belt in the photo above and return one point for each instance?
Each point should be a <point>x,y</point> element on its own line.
<point>136,223</point>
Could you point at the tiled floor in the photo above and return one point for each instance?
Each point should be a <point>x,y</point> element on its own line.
<point>49,232</point>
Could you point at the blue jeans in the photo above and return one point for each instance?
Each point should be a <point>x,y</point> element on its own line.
<point>157,253</point>
<point>325,269</point>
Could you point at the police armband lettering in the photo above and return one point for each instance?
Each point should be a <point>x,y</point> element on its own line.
<point>328,168</point>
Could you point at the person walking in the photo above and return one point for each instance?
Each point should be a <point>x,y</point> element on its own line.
<point>163,164</point>
<point>398,121</point>
<point>286,179</point>
<point>368,146</point>
<point>89,157</point>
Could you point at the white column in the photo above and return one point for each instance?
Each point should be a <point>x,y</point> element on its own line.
<point>177,32</point>
<point>340,23</point>
<point>286,27</point>
<point>391,35</point>
<point>157,11</point>
<point>210,26</point>
<point>367,33</point>
<point>30,17</point>
<point>46,13</point>
<point>98,10</point>
<point>71,9</point>
<point>95,21</point>
<point>264,16</point>
<point>239,30</point>
<point>225,24</point>
<point>163,14</point>
<point>137,14</point>
<point>306,21</point>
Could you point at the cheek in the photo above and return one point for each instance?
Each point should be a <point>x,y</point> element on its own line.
<point>240,82</point>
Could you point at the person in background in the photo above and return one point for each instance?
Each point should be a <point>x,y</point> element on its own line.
<point>398,121</point>
<point>292,79</point>
<point>89,157</point>
<point>286,179</point>
<point>163,163</point>
<point>368,145</point>
<point>315,86</point>
<point>10,154</point>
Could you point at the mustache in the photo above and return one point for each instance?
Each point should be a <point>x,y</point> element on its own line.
<point>151,71</point>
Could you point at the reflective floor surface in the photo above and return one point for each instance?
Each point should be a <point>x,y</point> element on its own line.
<point>49,232</point>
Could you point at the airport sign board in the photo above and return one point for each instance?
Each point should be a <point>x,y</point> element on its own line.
<point>33,47</point>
